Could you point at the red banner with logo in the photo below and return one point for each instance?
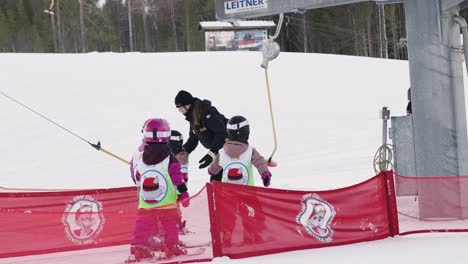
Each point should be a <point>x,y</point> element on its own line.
<point>44,222</point>
<point>221,220</point>
<point>252,221</point>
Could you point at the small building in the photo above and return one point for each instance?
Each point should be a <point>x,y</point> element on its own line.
<point>236,35</point>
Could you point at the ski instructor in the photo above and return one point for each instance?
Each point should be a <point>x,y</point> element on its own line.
<point>207,125</point>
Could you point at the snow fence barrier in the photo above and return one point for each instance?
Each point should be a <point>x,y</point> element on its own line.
<point>237,221</point>
<point>223,219</point>
<point>43,222</point>
<point>252,221</point>
<point>432,204</point>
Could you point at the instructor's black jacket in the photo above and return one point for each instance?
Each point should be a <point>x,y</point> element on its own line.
<point>211,130</point>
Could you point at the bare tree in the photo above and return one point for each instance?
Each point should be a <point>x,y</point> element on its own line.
<point>383,42</point>
<point>384,31</point>
<point>352,22</point>
<point>82,27</point>
<point>60,40</point>
<point>396,54</point>
<point>379,16</point>
<point>54,32</point>
<point>173,23</point>
<point>130,27</point>
<point>304,30</point>
<point>187,23</point>
<point>369,31</point>
<point>145,26</point>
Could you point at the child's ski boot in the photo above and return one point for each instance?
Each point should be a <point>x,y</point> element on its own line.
<point>170,252</point>
<point>139,253</point>
<point>182,228</point>
<point>226,239</point>
<point>174,251</point>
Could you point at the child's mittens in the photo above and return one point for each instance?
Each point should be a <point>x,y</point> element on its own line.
<point>266,178</point>
<point>184,198</point>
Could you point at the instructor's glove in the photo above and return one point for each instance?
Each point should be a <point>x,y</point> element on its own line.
<point>184,198</point>
<point>266,178</point>
<point>206,160</point>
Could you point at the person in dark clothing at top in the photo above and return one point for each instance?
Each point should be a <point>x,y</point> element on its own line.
<point>207,126</point>
<point>409,109</point>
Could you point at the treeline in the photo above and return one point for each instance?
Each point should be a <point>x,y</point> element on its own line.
<point>364,29</point>
<point>97,25</point>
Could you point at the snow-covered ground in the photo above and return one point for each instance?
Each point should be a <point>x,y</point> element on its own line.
<point>326,111</point>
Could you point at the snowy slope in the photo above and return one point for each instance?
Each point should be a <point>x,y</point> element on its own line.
<point>326,112</point>
<point>326,109</point>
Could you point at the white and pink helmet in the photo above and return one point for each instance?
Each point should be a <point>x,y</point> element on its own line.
<point>156,130</point>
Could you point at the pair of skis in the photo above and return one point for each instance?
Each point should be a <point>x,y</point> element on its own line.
<point>161,257</point>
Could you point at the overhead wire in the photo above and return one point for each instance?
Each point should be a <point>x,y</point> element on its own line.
<point>331,33</point>
<point>325,28</point>
<point>96,146</point>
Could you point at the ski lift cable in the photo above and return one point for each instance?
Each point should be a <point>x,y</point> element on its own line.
<point>278,28</point>
<point>96,146</point>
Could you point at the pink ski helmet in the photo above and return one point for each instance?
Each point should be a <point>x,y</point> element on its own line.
<point>156,130</point>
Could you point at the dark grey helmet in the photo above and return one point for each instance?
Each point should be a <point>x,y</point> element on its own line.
<point>176,141</point>
<point>238,129</point>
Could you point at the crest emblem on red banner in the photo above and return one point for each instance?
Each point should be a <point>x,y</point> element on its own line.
<point>83,219</point>
<point>316,217</point>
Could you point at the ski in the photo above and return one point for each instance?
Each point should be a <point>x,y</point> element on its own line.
<point>161,257</point>
<point>176,259</point>
<point>208,244</point>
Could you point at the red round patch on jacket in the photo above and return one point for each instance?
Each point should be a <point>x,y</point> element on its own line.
<point>150,185</point>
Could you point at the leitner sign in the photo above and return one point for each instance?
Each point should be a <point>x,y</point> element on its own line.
<point>231,7</point>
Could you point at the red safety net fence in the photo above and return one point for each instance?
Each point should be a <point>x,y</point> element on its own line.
<point>432,204</point>
<point>252,221</point>
<point>43,222</point>
<point>39,222</point>
<point>233,220</point>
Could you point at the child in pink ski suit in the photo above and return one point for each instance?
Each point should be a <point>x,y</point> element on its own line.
<point>176,144</point>
<point>156,173</point>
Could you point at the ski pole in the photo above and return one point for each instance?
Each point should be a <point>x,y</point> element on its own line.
<point>96,146</point>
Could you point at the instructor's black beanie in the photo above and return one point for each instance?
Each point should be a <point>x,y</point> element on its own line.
<point>183,98</point>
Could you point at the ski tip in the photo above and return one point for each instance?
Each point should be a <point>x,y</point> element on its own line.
<point>271,163</point>
<point>49,12</point>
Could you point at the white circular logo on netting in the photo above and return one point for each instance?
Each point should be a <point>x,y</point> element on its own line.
<point>83,219</point>
<point>316,217</point>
